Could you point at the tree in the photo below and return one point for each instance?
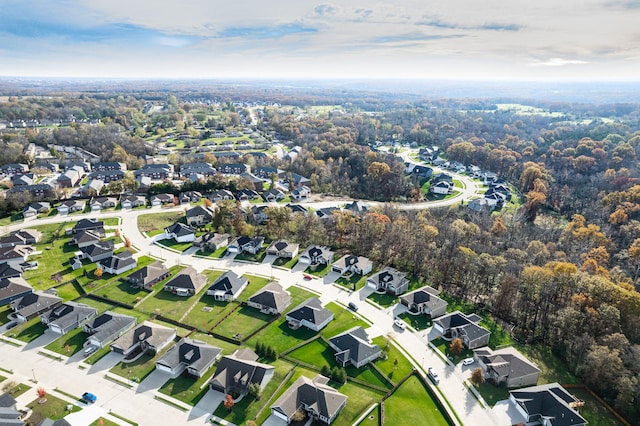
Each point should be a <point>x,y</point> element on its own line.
<point>229,402</point>
<point>457,346</point>
<point>477,376</point>
<point>42,394</point>
<point>254,390</point>
<point>127,242</point>
<point>98,272</point>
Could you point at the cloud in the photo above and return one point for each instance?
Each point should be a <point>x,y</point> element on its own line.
<point>414,37</point>
<point>437,23</point>
<point>324,10</point>
<point>265,32</point>
<point>557,62</point>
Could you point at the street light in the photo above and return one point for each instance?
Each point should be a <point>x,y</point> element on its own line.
<point>34,375</point>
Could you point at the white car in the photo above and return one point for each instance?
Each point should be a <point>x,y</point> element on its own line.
<point>89,350</point>
<point>468,361</point>
<point>433,375</point>
<point>399,323</point>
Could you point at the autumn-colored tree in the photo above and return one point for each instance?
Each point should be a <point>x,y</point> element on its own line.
<point>98,272</point>
<point>456,346</point>
<point>498,228</point>
<point>42,395</point>
<point>229,402</point>
<point>477,376</point>
<point>127,242</point>
<point>618,217</point>
<point>207,202</point>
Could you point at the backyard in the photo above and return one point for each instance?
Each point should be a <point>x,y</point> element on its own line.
<point>412,404</point>
<point>243,322</point>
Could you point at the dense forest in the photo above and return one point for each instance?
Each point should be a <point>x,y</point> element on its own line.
<point>563,269</point>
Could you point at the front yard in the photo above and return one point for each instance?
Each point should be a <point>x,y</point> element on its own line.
<point>53,408</point>
<point>187,389</point>
<point>28,331</point>
<point>353,282</point>
<point>68,344</point>
<point>158,221</point>
<point>412,404</point>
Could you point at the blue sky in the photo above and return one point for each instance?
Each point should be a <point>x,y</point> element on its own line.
<point>452,39</point>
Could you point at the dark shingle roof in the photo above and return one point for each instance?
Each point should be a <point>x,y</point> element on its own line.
<point>312,311</point>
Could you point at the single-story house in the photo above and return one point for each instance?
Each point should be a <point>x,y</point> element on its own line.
<point>8,270</point>
<point>507,366</point>
<point>21,238</point>
<point>180,232</point>
<point>321,402</point>
<point>189,197</point>
<point>149,275</point>
<point>247,195</point>
<point>33,304</point>
<point>88,225</point>
<point>221,194</point>
<point>283,249</point>
<point>227,287</point>
<point>186,283</point>
<point>425,301</point>
<point>547,405</point>
<point>12,289</point>
<point>131,201</point>
<point>389,280</point>
<point>298,209</point>
<point>273,195</point>
<point>161,199</point>
<point>310,314</point>
<point>465,327</point>
<point>86,238</point>
<point>272,299</point>
<point>237,371</point>
<point>67,316</point>
<point>98,251</point>
<point>212,241</point>
<point>118,263</point>
<point>354,347</point>
<point>107,327</point>
<point>15,255</point>
<point>189,355</point>
<point>316,255</point>
<point>356,207</point>
<point>199,215</point>
<point>100,203</point>
<point>354,264</point>
<point>147,337</point>
<point>71,206</point>
<point>301,192</point>
<point>35,209</point>
<point>246,244</point>
<point>442,187</point>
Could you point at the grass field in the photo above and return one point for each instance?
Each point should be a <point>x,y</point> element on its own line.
<point>285,263</point>
<point>187,389</point>
<point>343,320</point>
<point>411,404</point>
<point>354,282</point>
<point>68,344</point>
<point>28,331</point>
<point>419,322</point>
<point>54,408</point>
<point>594,412</point>
<point>384,300</point>
<point>492,393</point>
<point>158,221</point>
<point>242,323</point>
<point>320,272</point>
<point>394,370</point>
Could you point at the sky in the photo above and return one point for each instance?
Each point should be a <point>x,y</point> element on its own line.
<point>496,40</point>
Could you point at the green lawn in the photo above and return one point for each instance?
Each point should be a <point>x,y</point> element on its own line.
<point>395,371</point>
<point>98,355</point>
<point>280,336</point>
<point>419,322</point>
<point>255,283</point>
<point>5,221</point>
<point>138,369</point>
<point>173,244</point>
<point>242,323</point>
<point>158,221</point>
<point>359,399</point>
<point>227,348</point>
<point>373,419</point>
<point>68,344</point>
<point>217,254</point>
<point>552,368</point>
<point>319,272</point>
<point>411,404</point>
<point>343,320</point>
<point>70,291</point>
<point>354,282</point>
<point>207,312</point>
<point>492,393</point>
<point>28,331</point>
<point>16,389</point>
<point>4,314</point>
<point>258,257</point>
<point>298,295</point>
<point>384,300</point>
<point>168,304</point>
<point>180,331</point>
<point>187,389</point>
<point>99,305</point>
<point>54,408</point>
<point>285,263</point>
<point>122,291</point>
<point>444,345</point>
<point>594,412</point>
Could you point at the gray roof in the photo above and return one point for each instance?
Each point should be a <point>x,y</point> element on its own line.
<point>34,303</point>
<point>6,400</point>
<point>153,334</point>
<point>119,260</point>
<point>180,229</point>
<point>98,248</point>
<point>149,273</point>
<point>353,345</point>
<point>426,295</point>
<point>235,372</point>
<point>69,313</point>
<point>191,353</point>
<point>315,252</point>
<point>315,393</point>
<point>200,211</point>
<point>87,236</point>
<point>388,275</point>
<point>507,362</point>
<point>13,287</point>
<point>84,224</point>
<point>310,310</point>
<point>550,401</point>
<point>461,321</point>
<point>350,259</point>
<point>108,324</point>
<point>272,296</point>
<point>189,279</point>
<point>229,283</point>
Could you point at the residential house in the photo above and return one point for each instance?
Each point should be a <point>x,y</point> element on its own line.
<point>212,241</point>
<point>71,206</point>
<point>258,184</point>
<point>246,244</point>
<point>49,167</point>
<point>100,203</point>
<point>199,215</point>
<point>180,232</point>
<point>299,180</point>
<point>162,199</point>
<point>98,251</point>
<point>149,275</point>
<point>356,207</point>
<point>234,169</point>
<point>69,179</point>
<point>300,193</point>
<point>547,405</point>
<point>237,371</point>
<point>67,316</point>
<point>35,209</point>
<point>428,153</point>
<point>14,255</point>
<point>107,176</point>
<point>421,172</point>
<point>316,255</point>
<point>189,197</point>
<point>146,337</point>
<point>284,249</point>
<point>107,327</point>
<point>8,270</point>
<point>425,301</point>
<point>441,177</point>
<point>132,201</point>
<point>186,283</point>
<point>155,171</point>
<point>298,209</point>
<point>507,367</point>
<point>267,172</point>
<point>144,182</point>
<point>326,212</point>
<point>189,355</point>
<point>103,166</point>
<point>14,169</point>
<point>23,179</point>
<point>221,194</point>
<point>259,214</point>
<point>390,281</point>
<point>9,414</point>
<point>354,347</point>
<point>86,238</point>
<point>273,195</point>
<point>228,286</point>
<point>247,195</point>
<point>350,263</point>
<point>321,402</point>
<point>92,188</point>
<point>481,205</point>
<point>271,299</point>
<point>89,225</point>
<point>204,169</point>
<point>310,314</point>
<point>82,165</point>
<point>12,289</point>
<point>465,327</point>
<point>21,238</point>
<point>33,304</point>
<point>118,263</point>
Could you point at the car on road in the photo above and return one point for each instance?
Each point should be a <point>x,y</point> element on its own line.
<point>307,277</point>
<point>11,325</point>
<point>399,323</point>
<point>353,306</point>
<point>468,361</point>
<point>89,350</point>
<point>89,398</point>
<point>433,375</point>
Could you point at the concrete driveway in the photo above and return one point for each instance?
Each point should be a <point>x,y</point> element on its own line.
<point>206,405</point>
<point>274,420</point>
<point>506,414</point>
<point>106,363</point>
<point>153,381</point>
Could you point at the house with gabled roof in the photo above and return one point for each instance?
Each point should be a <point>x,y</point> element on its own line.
<point>442,188</point>
<point>155,171</point>
<point>273,195</point>
<point>354,264</point>
<point>145,337</point>
<point>101,203</point>
<point>32,304</point>
<point>221,194</point>
<point>118,263</point>
<point>12,289</point>
<point>300,193</point>
<point>234,168</point>
<point>86,238</point>
<point>310,314</point>
<point>247,194</point>
<point>161,199</point>
<point>8,270</point>
<point>186,283</point>
<point>132,201</point>
<point>180,232</point>
<point>271,299</point>
<point>212,241</point>
<point>237,371</point>
<point>506,366</point>
<point>356,207</point>
<point>547,405</point>
<point>267,172</point>
<point>23,179</point>
<point>149,275</point>
<point>15,255</point>
<point>89,224</point>
<point>284,249</point>
<point>193,356</point>
<point>320,401</point>
<point>98,251</point>
<point>466,327</point>
<point>107,327</point>
<point>228,286</point>
<point>203,169</point>
<point>246,244</point>
<point>67,316</point>
<point>199,215</point>
<point>189,197</point>
<point>390,281</point>
<point>71,206</point>
<point>35,209</point>
<point>298,209</point>
<point>425,301</point>
<point>354,347</point>
<point>21,238</point>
